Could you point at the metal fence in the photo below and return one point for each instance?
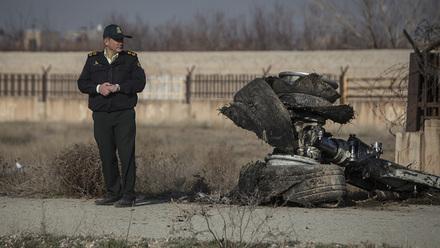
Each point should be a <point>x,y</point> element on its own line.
<point>43,86</point>
<point>376,89</point>
<point>216,86</point>
<point>198,86</point>
<point>63,85</point>
<point>423,90</point>
<point>224,86</point>
<point>20,84</point>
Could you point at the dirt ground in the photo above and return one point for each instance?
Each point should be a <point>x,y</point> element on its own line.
<point>404,226</point>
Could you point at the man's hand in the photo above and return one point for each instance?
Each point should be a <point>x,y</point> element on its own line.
<point>105,88</point>
<point>115,88</point>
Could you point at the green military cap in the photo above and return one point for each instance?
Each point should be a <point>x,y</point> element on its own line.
<point>115,32</point>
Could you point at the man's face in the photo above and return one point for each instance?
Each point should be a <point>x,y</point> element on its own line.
<point>114,45</point>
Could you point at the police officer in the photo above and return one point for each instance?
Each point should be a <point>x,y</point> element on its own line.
<point>112,78</point>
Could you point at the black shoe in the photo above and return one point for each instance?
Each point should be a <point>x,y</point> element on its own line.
<point>107,200</point>
<point>125,202</point>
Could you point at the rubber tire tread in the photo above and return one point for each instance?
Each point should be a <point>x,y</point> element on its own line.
<point>306,184</point>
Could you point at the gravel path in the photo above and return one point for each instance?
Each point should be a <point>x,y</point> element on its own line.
<point>414,226</point>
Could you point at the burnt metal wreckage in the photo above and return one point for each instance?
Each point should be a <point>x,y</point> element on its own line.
<point>309,166</point>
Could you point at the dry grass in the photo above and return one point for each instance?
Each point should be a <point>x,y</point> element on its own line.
<point>170,157</point>
<point>32,240</point>
<point>77,170</point>
<point>167,158</point>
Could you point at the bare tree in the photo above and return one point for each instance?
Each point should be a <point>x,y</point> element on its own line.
<point>326,24</point>
<point>378,23</point>
<point>13,30</point>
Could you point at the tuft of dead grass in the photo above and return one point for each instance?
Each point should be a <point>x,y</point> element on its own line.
<point>220,169</point>
<point>12,179</point>
<point>162,173</point>
<point>3,167</point>
<point>175,172</point>
<point>78,171</point>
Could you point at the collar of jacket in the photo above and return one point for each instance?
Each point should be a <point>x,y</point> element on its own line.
<point>112,59</point>
<point>103,60</point>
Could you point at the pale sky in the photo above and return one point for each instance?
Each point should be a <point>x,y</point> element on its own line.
<point>68,15</point>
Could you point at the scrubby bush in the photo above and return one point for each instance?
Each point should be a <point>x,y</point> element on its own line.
<point>220,169</point>
<point>3,167</point>
<point>78,169</point>
<point>162,173</point>
<point>186,172</point>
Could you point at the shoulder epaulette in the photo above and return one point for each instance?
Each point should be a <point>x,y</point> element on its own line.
<point>131,53</point>
<point>93,53</point>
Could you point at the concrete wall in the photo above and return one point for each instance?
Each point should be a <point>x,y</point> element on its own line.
<point>148,112</point>
<point>362,63</point>
<point>169,112</point>
<point>420,150</point>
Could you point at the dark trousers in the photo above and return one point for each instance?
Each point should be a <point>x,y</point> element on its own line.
<point>116,131</point>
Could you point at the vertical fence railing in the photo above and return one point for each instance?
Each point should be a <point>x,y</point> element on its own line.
<point>194,86</point>
<point>423,90</point>
<point>374,89</point>
<point>63,86</point>
<point>216,86</point>
<point>20,84</point>
<point>39,85</point>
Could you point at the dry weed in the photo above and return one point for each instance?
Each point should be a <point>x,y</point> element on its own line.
<point>162,173</point>
<point>11,178</point>
<point>235,226</point>
<point>220,168</point>
<point>182,171</point>
<point>3,167</point>
<point>78,171</point>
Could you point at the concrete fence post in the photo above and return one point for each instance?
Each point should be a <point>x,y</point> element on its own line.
<point>343,85</point>
<point>188,82</point>
<point>266,70</point>
<point>44,82</point>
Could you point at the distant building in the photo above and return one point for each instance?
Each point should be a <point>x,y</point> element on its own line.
<point>35,39</point>
<point>32,39</point>
<point>51,41</point>
<point>84,33</point>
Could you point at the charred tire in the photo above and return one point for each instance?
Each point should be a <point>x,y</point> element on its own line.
<point>303,181</point>
<point>325,184</point>
<point>293,76</point>
<point>309,85</point>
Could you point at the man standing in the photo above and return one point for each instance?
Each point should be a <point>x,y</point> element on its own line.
<point>112,78</point>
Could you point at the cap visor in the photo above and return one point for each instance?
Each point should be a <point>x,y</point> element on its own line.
<point>120,36</point>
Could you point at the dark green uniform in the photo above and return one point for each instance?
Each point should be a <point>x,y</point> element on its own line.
<point>114,116</point>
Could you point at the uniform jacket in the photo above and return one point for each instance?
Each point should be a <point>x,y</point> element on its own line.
<point>125,71</point>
